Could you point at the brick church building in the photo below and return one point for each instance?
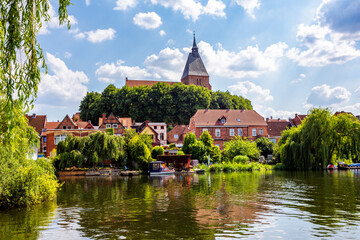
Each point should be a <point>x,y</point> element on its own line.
<point>194,72</point>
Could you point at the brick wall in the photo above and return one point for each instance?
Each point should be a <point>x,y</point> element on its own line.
<point>197,80</point>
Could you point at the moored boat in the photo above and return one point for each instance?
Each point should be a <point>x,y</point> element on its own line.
<point>158,168</point>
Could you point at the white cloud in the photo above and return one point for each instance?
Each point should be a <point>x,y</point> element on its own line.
<point>324,95</point>
<point>111,72</point>
<point>255,93</point>
<point>249,5</point>
<point>53,22</point>
<point>250,62</point>
<point>100,35</point>
<point>148,20</point>
<point>332,39</point>
<point>125,4</point>
<point>87,2</point>
<point>67,55</point>
<point>97,36</point>
<point>282,114</point>
<point>193,9</point>
<point>300,78</point>
<point>62,88</point>
<point>162,33</point>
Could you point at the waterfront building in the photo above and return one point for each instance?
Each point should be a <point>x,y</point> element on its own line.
<point>158,130</point>
<point>224,124</point>
<point>275,128</point>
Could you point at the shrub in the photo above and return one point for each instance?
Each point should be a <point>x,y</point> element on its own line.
<point>156,151</point>
<point>240,159</point>
<point>239,146</point>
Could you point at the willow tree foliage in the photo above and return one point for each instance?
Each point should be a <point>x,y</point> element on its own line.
<point>161,102</point>
<point>20,53</point>
<point>88,151</point>
<point>22,181</point>
<point>321,139</point>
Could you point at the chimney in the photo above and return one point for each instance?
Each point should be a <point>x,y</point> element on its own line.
<point>271,117</point>
<point>34,115</point>
<point>295,114</point>
<point>278,119</point>
<point>267,119</point>
<point>89,121</point>
<point>103,117</point>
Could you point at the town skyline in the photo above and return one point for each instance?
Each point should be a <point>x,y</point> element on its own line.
<point>284,57</point>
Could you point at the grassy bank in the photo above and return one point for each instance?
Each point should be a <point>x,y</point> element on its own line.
<point>237,167</point>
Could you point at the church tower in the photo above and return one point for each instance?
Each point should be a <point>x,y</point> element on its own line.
<point>195,71</point>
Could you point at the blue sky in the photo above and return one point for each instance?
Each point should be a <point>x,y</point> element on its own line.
<point>285,56</point>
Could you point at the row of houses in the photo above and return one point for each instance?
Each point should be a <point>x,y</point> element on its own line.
<point>222,124</point>
<point>51,133</point>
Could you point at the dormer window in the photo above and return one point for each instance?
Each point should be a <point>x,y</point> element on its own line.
<point>238,119</point>
<point>108,125</point>
<point>223,120</point>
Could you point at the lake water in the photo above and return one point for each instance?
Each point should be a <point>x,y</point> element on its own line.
<point>272,205</point>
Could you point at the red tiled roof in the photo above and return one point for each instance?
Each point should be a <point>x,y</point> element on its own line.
<point>51,125</point>
<point>211,117</point>
<point>126,122</point>
<point>342,112</point>
<point>83,125</point>
<point>275,127</point>
<point>137,83</point>
<point>180,130</point>
<point>297,120</point>
<point>36,121</point>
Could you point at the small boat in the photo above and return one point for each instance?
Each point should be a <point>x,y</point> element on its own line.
<point>354,166</point>
<point>331,167</point>
<point>158,168</point>
<point>342,166</point>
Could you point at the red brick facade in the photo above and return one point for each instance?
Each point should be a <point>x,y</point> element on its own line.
<point>197,80</point>
<point>112,122</point>
<point>224,125</point>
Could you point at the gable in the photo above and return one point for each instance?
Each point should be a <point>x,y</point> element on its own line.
<point>67,123</point>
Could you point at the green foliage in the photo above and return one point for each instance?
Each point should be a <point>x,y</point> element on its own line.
<point>172,146</point>
<point>161,102</point>
<point>190,138</point>
<point>239,146</point>
<point>139,152</point>
<point>215,154</point>
<point>241,159</point>
<point>237,167</point>
<point>265,146</point>
<point>73,151</point>
<point>180,153</point>
<point>110,131</point>
<point>198,151</point>
<point>156,151</point>
<point>22,181</point>
<point>317,141</point>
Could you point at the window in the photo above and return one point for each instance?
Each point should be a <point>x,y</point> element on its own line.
<point>217,145</point>
<point>59,138</point>
<point>254,132</point>
<point>44,139</point>
<point>155,127</point>
<point>162,127</point>
<point>64,127</point>
<point>240,132</point>
<point>261,132</point>
<point>44,149</point>
<point>161,136</point>
<point>232,132</point>
<point>223,120</point>
<point>205,130</point>
<point>115,126</point>
<point>217,132</point>
<point>108,125</point>
<point>69,127</point>
<point>176,136</point>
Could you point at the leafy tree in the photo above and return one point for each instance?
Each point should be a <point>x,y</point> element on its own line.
<point>318,140</point>
<point>241,159</point>
<point>173,104</point>
<point>198,151</point>
<point>265,146</point>
<point>156,151</point>
<point>239,146</point>
<point>139,152</point>
<point>190,138</point>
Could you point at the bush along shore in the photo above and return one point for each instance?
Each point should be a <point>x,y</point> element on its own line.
<point>236,167</point>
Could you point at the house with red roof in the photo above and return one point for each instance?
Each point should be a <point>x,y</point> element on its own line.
<point>275,128</point>
<point>177,134</point>
<point>297,120</point>
<point>224,124</point>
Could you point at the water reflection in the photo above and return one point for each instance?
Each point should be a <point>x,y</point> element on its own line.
<point>236,205</point>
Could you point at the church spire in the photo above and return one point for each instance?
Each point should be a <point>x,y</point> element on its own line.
<point>195,48</point>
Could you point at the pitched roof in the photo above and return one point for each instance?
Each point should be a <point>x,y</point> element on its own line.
<point>276,126</point>
<point>138,83</point>
<point>126,122</point>
<point>52,125</point>
<point>205,117</point>
<point>342,112</point>
<point>180,130</point>
<point>297,120</point>
<point>194,65</point>
<point>37,121</point>
<point>83,125</point>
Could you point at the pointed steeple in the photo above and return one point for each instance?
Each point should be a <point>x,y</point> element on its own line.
<point>195,48</point>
